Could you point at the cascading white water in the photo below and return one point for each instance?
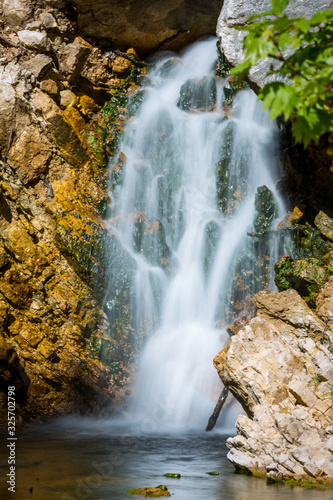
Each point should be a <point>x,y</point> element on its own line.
<point>186,250</point>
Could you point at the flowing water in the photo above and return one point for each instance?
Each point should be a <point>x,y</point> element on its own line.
<point>185,242</point>
<point>182,213</point>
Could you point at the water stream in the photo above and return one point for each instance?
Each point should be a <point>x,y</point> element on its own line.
<point>190,260</point>
<point>183,211</point>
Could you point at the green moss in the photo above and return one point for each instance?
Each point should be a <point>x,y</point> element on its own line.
<point>282,268</point>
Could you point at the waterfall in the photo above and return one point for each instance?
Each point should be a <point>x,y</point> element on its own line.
<point>184,212</point>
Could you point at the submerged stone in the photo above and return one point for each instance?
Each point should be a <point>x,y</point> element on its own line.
<point>175,475</point>
<point>150,492</point>
<point>213,473</point>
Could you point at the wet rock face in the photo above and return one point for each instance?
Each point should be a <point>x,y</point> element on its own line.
<point>280,368</point>
<point>54,247</point>
<point>236,12</point>
<point>148,25</point>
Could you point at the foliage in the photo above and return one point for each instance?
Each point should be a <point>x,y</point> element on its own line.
<point>305,94</point>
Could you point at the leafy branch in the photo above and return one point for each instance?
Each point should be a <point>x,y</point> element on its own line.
<point>301,55</point>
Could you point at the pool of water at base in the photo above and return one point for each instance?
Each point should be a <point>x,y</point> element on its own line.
<point>99,460</point>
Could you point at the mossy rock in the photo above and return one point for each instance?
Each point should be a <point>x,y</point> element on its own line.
<point>309,242</point>
<point>150,492</point>
<point>266,210</point>
<point>174,475</point>
<point>213,473</point>
<point>197,95</point>
<point>325,225</point>
<point>307,277</point>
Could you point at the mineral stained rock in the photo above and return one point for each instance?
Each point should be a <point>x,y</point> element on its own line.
<point>280,368</point>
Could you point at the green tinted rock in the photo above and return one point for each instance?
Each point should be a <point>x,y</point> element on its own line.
<point>175,475</point>
<point>325,225</point>
<point>266,210</point>
<point>213,473</point>
<point>197,94</point>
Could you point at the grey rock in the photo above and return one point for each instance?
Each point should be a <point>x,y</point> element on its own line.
<point>236,12</point>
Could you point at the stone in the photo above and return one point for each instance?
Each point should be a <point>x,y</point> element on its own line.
<point>34,26</point>
<point>38,65</point>
<point>266,210</point>
<point>35,40</point>
<point>278,367</point>
<point>324,302</point>
<point>150,492</point>
<point>17,12</point>
<point>237,12</point>
<point>50,87</point>
<point>87,105</point>
<point>67,98</point>
<point>30,155</point>
<point>48,21</point>
<point>324,224</point>
<point>73,56</point>
<point>121,65</point>
<point>7,104</point>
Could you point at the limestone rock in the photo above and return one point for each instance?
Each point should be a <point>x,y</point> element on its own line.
<point>17,12</point>
<point>236,12</point>
<point>280,367</point>
<point>148,26</point>
<point>34,40</point>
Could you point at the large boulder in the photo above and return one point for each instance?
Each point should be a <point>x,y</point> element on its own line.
<point>237,12</point>
<point>280,368</point>
<point>148,25</point>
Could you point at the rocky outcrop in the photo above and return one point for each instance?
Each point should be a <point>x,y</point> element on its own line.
<point>236,13</point>
<point>54,249</point>
<point>148,25</point>
<point>280,368</point>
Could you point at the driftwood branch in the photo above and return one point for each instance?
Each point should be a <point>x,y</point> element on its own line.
<point>217,410</point>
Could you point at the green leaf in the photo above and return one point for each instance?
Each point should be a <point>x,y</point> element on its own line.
<point>280,98</point>
<point>279,6</point>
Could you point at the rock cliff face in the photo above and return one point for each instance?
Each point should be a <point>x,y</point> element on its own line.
<point>146,24</point>
<point>53,174</point>
<point>280,368</point>
<point>237,12</point>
